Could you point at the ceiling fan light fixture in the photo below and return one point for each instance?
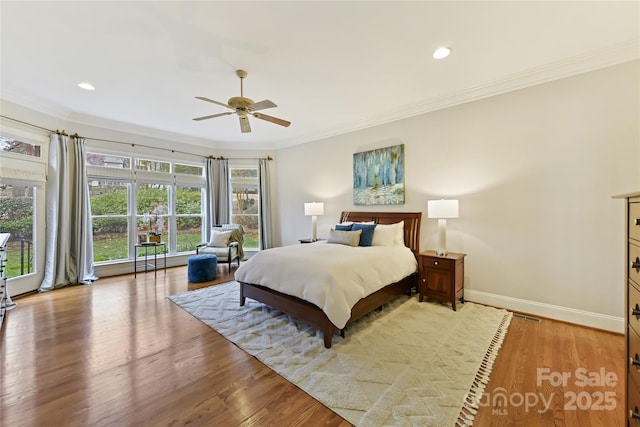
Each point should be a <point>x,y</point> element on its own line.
<point>441,52</point>
<point>243,107</point>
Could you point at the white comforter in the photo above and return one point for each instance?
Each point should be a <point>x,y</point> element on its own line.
<point>332,276</point>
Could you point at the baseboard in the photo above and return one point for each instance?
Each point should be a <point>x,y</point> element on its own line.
<point>565,314</point>
<point>126,267</point>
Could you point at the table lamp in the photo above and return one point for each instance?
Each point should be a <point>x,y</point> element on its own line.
<point>441,210</point>
<point>314,209</point>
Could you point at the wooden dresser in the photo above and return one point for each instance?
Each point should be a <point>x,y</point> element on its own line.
<point>632,286</point>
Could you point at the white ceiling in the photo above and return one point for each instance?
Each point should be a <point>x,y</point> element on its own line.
<point>332,67</point>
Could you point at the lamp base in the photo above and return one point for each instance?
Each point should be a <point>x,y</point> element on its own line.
<point>314,228</point>
<point>442,237</point>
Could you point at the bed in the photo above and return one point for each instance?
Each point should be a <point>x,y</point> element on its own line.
<point>254,287</point>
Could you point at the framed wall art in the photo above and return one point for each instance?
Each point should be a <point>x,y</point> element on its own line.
<point>378,176</point>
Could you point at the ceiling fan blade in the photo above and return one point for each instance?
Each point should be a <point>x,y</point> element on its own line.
<point>202,98</point>
<point>244,124</point>
<point>262,105</point>
<point>212,116</point>
<point>272,119</point>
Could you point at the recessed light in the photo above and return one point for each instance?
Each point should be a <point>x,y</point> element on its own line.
<point>441,52</point>
<point>86,86</point>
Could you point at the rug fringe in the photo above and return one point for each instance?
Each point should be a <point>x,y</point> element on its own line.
<point>471,403</point>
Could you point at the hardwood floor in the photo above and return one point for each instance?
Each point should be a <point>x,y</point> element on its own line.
<point>556,349</point>
<point>119,353</point>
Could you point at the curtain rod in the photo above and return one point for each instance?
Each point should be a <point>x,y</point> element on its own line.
<point>240,158</point>
<point>62,132</point>
<point>143,145</point>
<point>178,151</point>
<point>59,132</point>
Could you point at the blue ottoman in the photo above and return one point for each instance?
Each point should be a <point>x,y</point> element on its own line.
<point>202,268</point>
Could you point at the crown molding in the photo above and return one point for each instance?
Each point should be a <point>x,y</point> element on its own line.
<point>36,104</point>
<point>579,64</point>
<point>586,62</point>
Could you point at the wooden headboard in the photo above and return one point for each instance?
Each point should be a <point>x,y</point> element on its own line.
<point>411,223</point>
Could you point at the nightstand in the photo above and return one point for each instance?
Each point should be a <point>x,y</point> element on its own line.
<point>441,277</point>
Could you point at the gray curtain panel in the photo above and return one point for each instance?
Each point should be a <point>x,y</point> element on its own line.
<point>266,232</point>
<point>81,250</point>
<point>69,248</point>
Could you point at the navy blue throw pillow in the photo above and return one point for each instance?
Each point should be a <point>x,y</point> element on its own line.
<point>341,227</point>
<point>367,233</point>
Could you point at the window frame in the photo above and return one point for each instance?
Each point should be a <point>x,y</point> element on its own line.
<point>170,180</point>
<point>257,215</point>
<point>28,170</point>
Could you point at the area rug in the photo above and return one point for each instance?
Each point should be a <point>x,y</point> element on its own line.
<point>409,364</point>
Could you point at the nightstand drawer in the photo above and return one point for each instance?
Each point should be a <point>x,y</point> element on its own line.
<point>634,221</point>
<point>439,263</point>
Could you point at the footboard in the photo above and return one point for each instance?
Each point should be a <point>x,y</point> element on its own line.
<point>293,306</point>
<point>312,315</point>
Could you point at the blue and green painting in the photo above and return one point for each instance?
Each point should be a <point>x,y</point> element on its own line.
<point>378,176</point>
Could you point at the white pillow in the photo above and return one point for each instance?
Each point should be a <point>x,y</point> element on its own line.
<point>219,239</point>
<point>384,235</point>
<point>389,235</point>
<point>400,233</point>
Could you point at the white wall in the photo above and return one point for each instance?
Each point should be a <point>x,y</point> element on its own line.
<point>534,171</point>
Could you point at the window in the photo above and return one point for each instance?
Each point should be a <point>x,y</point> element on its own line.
<point>189,206</point>
<point>12,145</point>
<point>188,218</point>
<point>153,210</point>
<point>110,220</point>
<point>22,180</point>
<point>109,188</point>
<point>132,198</point>
<point>245,204</point>
<point>16,217</point>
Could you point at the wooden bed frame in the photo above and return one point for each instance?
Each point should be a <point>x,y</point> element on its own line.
<point>311,314</point>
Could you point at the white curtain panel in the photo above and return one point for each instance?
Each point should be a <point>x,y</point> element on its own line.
<point>266,232</point>
<point>69,248</point>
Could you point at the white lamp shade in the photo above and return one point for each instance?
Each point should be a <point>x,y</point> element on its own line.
<point>314,208</point>
<point>442,209</point>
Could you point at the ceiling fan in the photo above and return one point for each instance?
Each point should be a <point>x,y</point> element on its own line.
<point>244,107</point>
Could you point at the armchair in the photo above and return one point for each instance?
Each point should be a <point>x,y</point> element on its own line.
<point>225,242</point>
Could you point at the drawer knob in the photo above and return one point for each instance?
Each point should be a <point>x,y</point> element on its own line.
<point>435,262</point>
<point>635,361</point>
<point>636,312</point>
<point>635,265</point>
<point>636,222</point>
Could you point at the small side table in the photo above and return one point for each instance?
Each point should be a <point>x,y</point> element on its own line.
<point>441,277</point>
<point>309,240</point>
<point>147,264</point>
